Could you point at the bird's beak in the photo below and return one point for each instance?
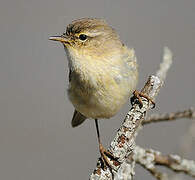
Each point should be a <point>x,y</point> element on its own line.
<point>62,39</point>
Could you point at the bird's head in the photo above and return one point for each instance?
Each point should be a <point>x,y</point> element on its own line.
<point>91,37</point>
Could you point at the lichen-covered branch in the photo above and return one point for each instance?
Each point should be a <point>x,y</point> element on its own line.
<point>124,142</point>
<point>150,158</point>
<point>189,113</point>
<point>176,163</point>
<point>147,160</point>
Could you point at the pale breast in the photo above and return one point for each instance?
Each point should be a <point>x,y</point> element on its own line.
<point>100,90</point>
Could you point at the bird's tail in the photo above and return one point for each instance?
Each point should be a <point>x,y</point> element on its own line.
<point>77,118</point>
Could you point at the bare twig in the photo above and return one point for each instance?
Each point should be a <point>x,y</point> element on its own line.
<point>149,158</point>
<point>165,65</point>
<point>157,174</point>
<point>176,163</point>
<point>189,113</point>
<point>188,139</point>
<point>124,142</point>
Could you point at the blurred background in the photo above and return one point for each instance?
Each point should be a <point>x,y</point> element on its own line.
<point>37,141</point>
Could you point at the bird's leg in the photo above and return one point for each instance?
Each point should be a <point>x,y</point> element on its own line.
<point>138,96</point>
<point>104,153</point>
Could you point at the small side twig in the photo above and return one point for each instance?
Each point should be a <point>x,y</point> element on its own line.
<point>166,64</point>
<point>153,171</point>
<point>147,160</point>
<point>189,113</point>
<point>150,158</point>
<point>176,163</point>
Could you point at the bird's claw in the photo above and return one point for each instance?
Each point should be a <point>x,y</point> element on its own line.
<point>105,155</point>
<point>137,96</point>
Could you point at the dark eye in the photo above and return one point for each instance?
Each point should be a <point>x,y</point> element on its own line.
<point>82,37</point>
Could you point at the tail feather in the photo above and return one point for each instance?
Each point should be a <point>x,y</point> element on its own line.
<point>77,118</point>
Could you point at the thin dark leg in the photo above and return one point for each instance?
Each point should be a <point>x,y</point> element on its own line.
<point>104,153</point>
<point>97,130</point>
<point>101,148</point>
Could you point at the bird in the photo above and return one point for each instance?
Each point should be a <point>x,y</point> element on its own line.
<point>103,72</point>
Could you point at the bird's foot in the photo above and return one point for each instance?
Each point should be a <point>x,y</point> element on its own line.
<point>105,155</point>
<point>138,95</point>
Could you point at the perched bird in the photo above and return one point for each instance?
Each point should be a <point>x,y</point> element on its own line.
<point>103,71</point>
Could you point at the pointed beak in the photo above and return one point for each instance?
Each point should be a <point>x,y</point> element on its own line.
<point>62,39</point>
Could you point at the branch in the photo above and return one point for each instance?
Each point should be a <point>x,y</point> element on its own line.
<point>146,160</point>
<point>124,142</point>
<point>166,64</point>
<point>189,113</point>
<point>149,158</point>
<point>153,171</point>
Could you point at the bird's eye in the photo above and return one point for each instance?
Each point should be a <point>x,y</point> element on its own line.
<point>82,37</point>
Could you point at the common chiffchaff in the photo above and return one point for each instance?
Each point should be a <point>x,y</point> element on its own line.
<point>103,71</point>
